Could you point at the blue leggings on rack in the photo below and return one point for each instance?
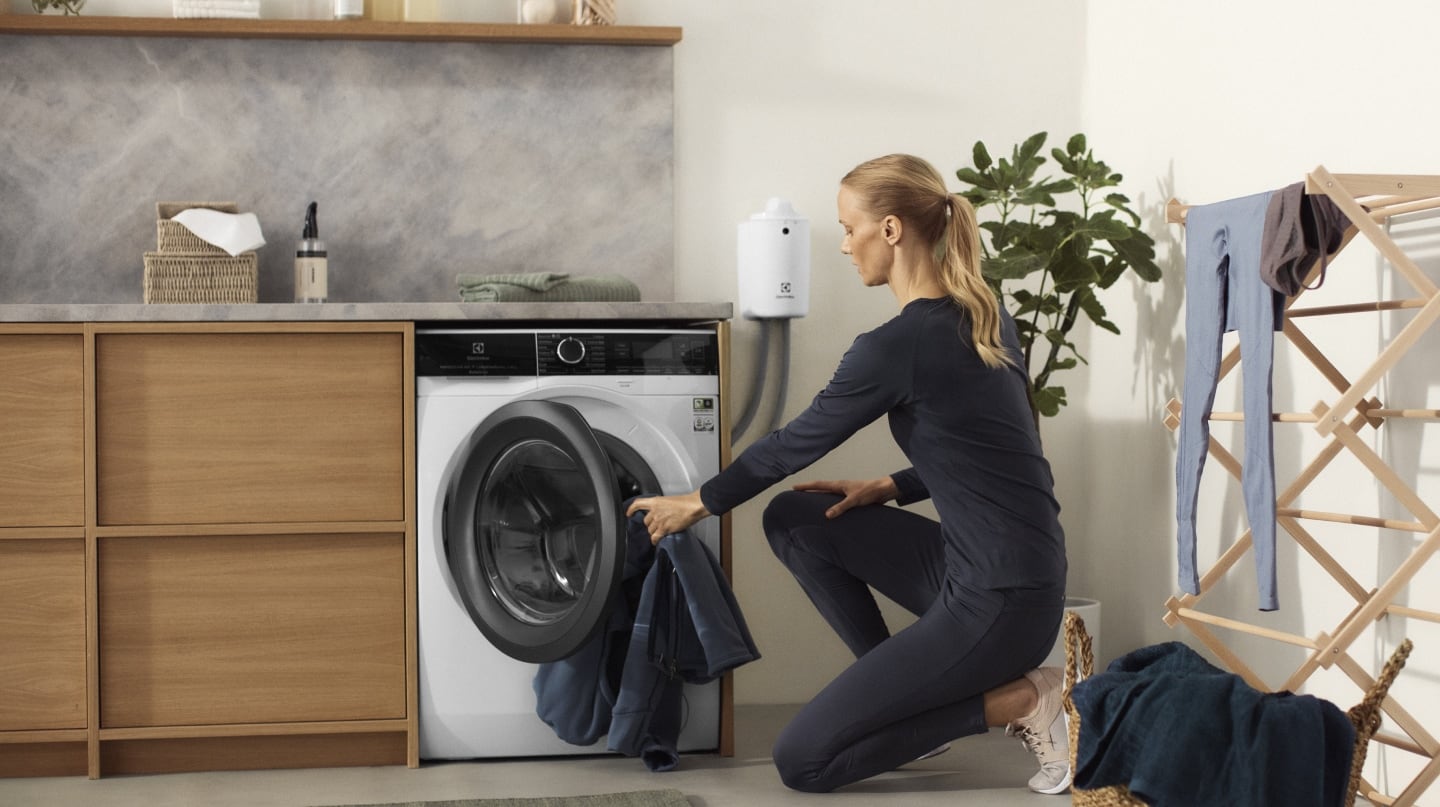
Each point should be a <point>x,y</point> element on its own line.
<point>909,693</point>
<point>1224,292</point>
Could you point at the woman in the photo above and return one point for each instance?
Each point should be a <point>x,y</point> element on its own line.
<point>988,580</point>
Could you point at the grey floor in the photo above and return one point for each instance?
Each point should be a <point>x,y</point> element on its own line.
<point>985,771</point>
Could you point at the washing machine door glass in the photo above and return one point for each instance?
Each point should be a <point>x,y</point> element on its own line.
<point>534,534</point>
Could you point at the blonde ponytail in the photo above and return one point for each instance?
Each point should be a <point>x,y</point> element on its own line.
<point>961,278</point>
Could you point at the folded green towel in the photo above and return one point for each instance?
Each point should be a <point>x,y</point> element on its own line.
<point>534,281</point>
<point>537,287</point>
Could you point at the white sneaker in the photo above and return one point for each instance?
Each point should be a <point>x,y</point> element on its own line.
<point>1045,734</point>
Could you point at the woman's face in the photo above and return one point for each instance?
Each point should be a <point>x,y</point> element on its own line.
<point>864,240</point>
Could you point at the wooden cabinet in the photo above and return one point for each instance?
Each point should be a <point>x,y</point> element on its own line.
<point>290,628</point>
<point>206,547</point>
<point>230,428</point>
<point>42,632</point>
<point>42,428</point>
<point>43,697</point>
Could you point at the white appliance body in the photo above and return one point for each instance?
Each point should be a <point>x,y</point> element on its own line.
<point>662,427</point>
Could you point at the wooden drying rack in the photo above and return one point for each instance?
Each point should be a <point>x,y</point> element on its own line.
<point>1368,200</point>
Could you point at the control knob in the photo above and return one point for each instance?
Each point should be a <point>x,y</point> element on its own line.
<point>570,350</point>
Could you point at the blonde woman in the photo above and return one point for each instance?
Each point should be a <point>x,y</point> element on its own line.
<point>987,580</point>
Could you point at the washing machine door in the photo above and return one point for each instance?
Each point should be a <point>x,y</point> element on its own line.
<point>534,535</point>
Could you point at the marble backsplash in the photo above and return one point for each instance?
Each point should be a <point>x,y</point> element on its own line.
<point>427,159</point>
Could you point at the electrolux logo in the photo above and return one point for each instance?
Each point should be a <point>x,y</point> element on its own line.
<point>478,348</point>
<point>785,291</point>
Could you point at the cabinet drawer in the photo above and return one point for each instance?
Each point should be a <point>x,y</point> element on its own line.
<point>42,430</point>
<point>226,428</point>
<point>251,629</point>
<point>42,634</point>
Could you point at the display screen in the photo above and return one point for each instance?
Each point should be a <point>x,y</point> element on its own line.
<point>475,354</point>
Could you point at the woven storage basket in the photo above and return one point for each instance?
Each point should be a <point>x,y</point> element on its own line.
<point>191,278</point>
<point>1080,663</point>
<point>172,236</point>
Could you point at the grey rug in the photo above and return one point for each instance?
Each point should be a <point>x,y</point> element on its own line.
<point>637,798</point>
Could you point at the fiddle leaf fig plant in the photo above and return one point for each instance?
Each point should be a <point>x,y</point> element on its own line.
<point>1054,242</point>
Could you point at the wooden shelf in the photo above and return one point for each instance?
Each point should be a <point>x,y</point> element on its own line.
<point>502,33</point>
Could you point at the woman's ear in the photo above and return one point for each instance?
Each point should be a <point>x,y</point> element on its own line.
<point>891,229</point>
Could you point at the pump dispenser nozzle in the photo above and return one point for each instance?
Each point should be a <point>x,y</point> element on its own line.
<point>311,282</point>
<point>312,229</point>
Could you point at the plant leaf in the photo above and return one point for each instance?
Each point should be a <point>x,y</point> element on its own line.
<point>981,156</point>
<point>1031,146</point>
<point>1076,144</point>
<point>1013,264</point>
<point>972,177</point>
<point>1093,309</point>
<point>1048,400</point>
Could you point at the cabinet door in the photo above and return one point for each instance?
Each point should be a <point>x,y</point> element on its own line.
<point>232,428</point>
<point>42,634</point>
<point>42,430</point>
<point>251,629</point>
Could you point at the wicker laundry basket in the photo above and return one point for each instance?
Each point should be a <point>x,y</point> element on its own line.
<point>1080,663</point>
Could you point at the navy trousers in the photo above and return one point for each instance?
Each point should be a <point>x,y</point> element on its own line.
<point>905,694</point>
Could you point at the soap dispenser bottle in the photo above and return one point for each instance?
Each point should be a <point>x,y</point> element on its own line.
<point>311,283</point>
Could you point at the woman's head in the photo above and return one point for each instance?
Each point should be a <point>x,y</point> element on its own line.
<point>910,190</point>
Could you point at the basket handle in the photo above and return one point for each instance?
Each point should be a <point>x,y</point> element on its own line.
<point>1366,714</point>
<point>1080,659</point>
<point>1079,656</point>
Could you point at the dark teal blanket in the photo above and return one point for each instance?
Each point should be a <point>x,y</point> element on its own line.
<point>1179,731</point>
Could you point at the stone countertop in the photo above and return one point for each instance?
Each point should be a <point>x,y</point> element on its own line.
<point>347,312</point>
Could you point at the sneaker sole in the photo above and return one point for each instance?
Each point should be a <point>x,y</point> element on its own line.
<point>1063,786</point>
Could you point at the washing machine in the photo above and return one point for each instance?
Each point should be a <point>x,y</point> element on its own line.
<point>528,442</point>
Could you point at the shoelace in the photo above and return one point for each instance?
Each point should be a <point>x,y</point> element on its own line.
<point>1032,739</point>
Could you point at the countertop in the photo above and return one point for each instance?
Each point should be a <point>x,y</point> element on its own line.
<point>345,312</point>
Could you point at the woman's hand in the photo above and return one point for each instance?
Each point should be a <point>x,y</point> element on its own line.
<point>669,514</point>
<point>856,492</point>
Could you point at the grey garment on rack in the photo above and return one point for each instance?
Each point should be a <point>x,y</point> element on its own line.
<point>1300,229</point>
<point>1224,292</point>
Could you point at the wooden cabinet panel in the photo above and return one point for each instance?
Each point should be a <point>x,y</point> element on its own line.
<point>42,430</point>
<point>251,629</point>
<point>42,634</point>
<point>221,428</point>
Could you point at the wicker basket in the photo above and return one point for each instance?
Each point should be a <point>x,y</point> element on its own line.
<point>1080,663</point>
<point>200,278</point>
<point>172,236</point>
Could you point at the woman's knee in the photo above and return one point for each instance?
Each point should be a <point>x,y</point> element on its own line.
<point>790,511</point>
<point>795,762</point>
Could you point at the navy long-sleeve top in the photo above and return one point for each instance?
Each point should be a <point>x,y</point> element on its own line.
<point>965,428</point>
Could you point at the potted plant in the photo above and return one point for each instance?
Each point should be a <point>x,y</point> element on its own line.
<point>1054,244</point>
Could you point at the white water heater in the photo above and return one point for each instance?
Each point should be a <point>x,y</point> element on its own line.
<point>773,255</point>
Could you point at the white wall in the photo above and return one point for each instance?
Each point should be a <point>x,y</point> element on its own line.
<point>1207,102</point>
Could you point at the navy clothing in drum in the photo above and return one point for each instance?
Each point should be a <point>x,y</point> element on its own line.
<point>987,582</point>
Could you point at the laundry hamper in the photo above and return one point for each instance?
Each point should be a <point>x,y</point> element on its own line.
<point>1080,663</point>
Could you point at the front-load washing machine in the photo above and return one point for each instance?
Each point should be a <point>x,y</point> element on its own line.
<point>528,441</point>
